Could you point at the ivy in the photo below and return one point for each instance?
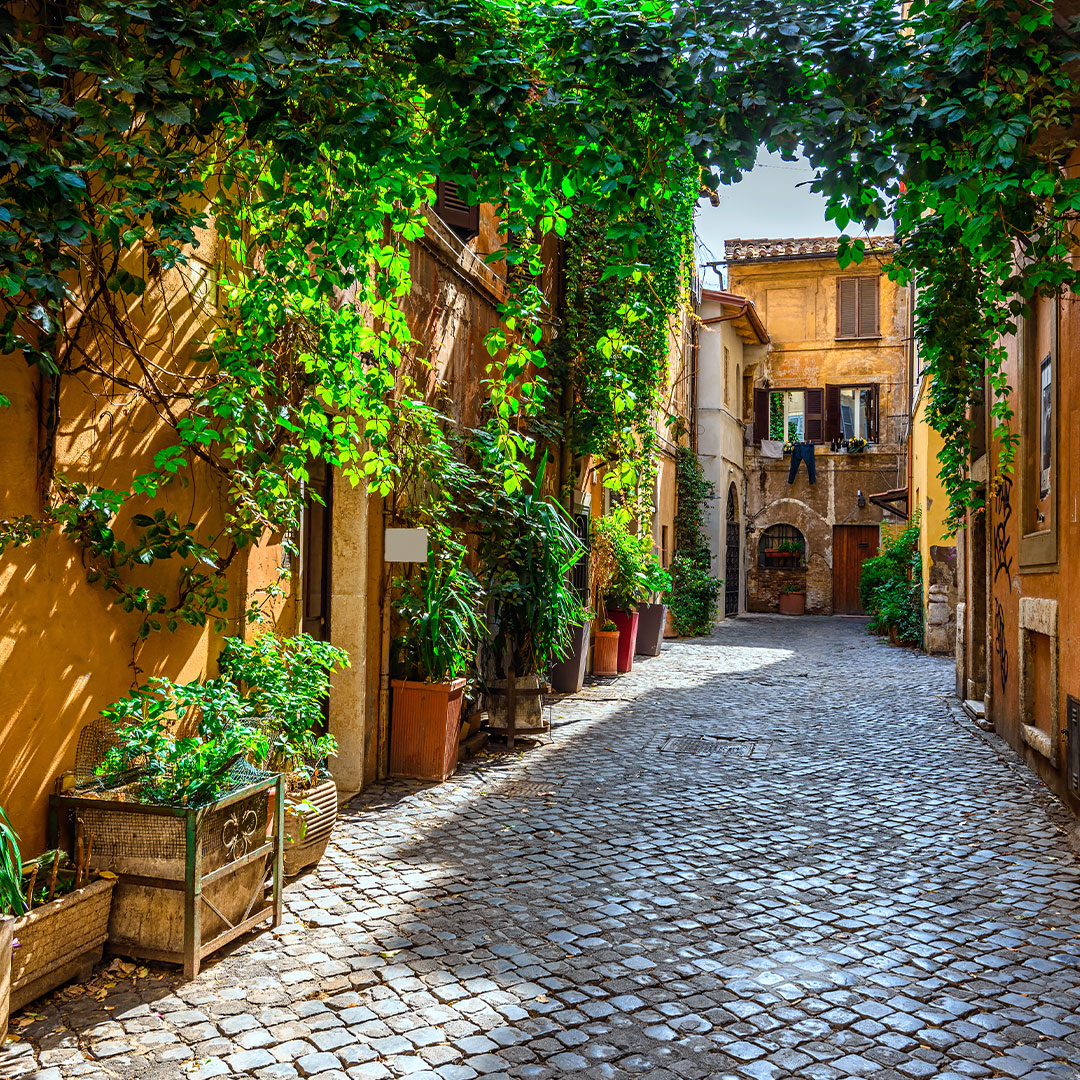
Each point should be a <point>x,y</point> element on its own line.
<point>694,592</point>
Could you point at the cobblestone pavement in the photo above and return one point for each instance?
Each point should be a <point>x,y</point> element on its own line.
<point>777,852</point>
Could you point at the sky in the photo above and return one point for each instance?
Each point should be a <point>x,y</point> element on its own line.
<point>767,202</point>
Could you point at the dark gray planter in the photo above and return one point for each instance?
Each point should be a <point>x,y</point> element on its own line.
<point>568,676</point>
<point>650,633</point>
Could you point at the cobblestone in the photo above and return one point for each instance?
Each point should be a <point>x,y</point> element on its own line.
<point>876,889</point>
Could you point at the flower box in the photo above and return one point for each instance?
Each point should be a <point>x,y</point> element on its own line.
<point>190,879</point>
<point>60,941</point>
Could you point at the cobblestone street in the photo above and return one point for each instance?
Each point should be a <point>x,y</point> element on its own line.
<point>777,852</point>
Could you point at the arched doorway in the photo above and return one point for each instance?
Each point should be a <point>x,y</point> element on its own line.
<point>733,555</point>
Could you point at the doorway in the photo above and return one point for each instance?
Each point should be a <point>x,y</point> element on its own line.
<point>732,555</point>
<point>852,546</point>
<point>315,555</point>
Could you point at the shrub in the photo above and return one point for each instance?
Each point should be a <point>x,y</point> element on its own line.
<point>890,586</point>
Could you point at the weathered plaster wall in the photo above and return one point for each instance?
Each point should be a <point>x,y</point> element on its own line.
<point>797,301</point>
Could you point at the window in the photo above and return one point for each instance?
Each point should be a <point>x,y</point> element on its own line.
<point>1038,435</point>
<point>737,410</point>
<point>455,211</point>
<point>782,547</point>
<point>787,414</point>
<point>663,546</point>
<point>727,376</point>
<point>851,412</point>
<point>857,306</point>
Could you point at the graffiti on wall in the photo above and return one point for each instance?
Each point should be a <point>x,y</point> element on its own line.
<point>1002,516</point>
<point>1001,645</point>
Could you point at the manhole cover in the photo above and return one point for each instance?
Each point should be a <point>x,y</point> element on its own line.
<point>705,746</point>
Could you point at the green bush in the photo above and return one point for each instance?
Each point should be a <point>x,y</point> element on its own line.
<point>890,586</point>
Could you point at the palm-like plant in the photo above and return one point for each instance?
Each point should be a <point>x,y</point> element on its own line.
<point>441,605</point>
<point>11,897</point>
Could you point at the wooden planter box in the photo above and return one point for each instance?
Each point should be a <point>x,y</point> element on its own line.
<point>605,653</point>
<point>307,832</point>
<point>627,622</point>
<point>527,701</point>
<point>424,725</point>
<point>191,879</point>
<point>793,603</point>
<point>568,676</point>
<point>7,931</point>
<point>60,941</point>
<point>652,619</point>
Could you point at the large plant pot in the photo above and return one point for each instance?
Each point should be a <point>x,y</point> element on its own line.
<point>652,619</point>
<point>529,707</point>
<point>60,941</point>
<point>627,622</point>
<point>7,929</point>
<point>605,652</point>
<point>192,879</point>
<point>792,603</point>
<point>568,676</point>
<point>307,831</point>
<point>424,728</point>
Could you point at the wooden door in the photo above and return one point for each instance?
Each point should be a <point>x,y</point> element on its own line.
<point>852,546</point>
<point>315,555</point>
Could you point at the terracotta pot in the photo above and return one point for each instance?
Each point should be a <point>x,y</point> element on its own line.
<point>605,653</point>
<point>627,622</point>
<point>307,832</point>
<point>568,676</point>
<point>652,619</point>
<point>424,724</point>
<point>792,603</point>
<point>60,941</point>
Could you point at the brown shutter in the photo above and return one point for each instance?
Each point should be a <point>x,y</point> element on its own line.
<point>454,210</point>
<point>815,415</point>
<point>869,288</point>
<point>874,428</point>
<point>832,413</point>
<point>847,297</point>
<point>761,414</point>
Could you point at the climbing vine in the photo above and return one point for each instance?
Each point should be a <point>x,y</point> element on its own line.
<point>273,162</point>
<point>694,592</point>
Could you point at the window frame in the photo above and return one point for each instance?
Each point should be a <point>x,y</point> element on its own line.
<point>858,335</point>
<point>784,561</point>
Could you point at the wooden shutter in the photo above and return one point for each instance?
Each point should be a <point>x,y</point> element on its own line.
<point>454,210</point>
<point>815,415</point>
<point>1072,742</point>
<point>873,409</point>
<point>869,290</point>
<point>761,414</point>
<point>847,305</point>
<point>832,413</point>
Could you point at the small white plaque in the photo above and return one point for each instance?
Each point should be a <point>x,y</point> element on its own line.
<point>405,545</point>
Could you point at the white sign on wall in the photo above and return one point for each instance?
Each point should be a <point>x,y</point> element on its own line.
<point>405,545</point>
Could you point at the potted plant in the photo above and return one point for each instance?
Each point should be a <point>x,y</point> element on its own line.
<point>285,683</point>
<point>54,919</point>
<point>167,800</point>
<point>567,676</point>
<point>626,586</point>
<point>441,608</point>
<point>527,549</point>
<point>652,615</point>
<point>793,600</point>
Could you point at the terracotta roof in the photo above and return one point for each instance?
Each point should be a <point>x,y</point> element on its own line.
<point>799,247</point>
<point>744,309</point>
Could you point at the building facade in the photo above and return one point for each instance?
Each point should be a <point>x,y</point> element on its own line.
<point>829,413</point>
<point>1018,622</point>
<point>734,345</point>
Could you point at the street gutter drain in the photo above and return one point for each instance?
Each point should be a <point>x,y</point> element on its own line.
<point>705,746</point>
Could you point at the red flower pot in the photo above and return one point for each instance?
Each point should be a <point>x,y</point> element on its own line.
<point>627,622</point>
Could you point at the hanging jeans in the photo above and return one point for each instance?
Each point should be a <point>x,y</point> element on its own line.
<point>802,451</point>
